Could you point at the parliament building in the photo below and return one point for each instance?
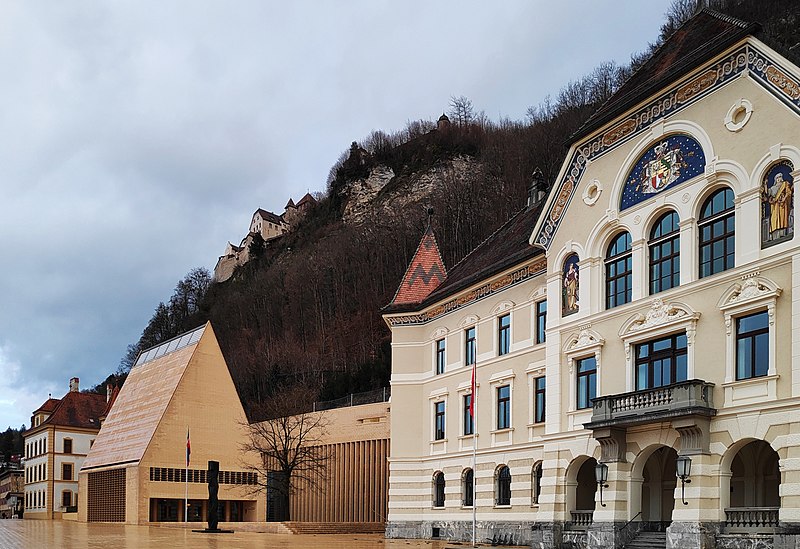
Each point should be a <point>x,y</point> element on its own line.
<point>635,335</point>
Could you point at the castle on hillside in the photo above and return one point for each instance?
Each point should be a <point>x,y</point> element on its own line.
<point>268,226</point>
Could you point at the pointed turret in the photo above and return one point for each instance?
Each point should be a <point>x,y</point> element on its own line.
<point>425,273</point>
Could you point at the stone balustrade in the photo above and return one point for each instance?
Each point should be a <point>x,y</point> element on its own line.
<point>581,519</point>
<point>690,397</point>
<point>751,519</point>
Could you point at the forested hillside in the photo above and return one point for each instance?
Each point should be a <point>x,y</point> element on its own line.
<point>307,308</point>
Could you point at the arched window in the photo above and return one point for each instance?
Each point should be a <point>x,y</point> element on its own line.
<point>536,483</point>
<point>618,271</point>
<point>468,487</point>
<point>438,489</point>
<point>665,253</point>
<point>503,486</point>
<point>716,228</point>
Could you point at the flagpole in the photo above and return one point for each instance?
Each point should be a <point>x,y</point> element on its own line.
<point>186,496</point>
<point>474,445</point>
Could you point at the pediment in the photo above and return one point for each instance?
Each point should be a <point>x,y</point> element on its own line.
<point>585,339</point>
<point>751,288</point>
<point>660,314</point>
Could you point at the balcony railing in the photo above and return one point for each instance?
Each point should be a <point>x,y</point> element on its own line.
<point>686,397</point>
<point>581,519</point>
<point>751,519</point>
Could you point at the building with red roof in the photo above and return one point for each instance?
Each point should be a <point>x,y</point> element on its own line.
<point>62,432</point>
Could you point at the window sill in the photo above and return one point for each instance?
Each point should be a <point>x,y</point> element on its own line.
<point>466,437</point>
<point>750,381</point>
<point>498,506</point>
<point>439,441</point>
<point>467,506</point>
<point>437,508</point>
<point>502,431</point>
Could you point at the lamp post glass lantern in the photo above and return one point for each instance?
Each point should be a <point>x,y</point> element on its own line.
<point>683,467</point>
<point>601,476</point>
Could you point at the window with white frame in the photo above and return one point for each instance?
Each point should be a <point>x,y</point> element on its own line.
<point>440,356</point>
<point>439,420</point>
<point>749,310</point>
<point>664,248</point>
<point>469,346</point>
<point>541,321</point>
<point>504,334</point>
<point>586,385</point>
<point>539,399</point>
<point>503,407</point>
<point>717,227</point>
<point>752,345</point>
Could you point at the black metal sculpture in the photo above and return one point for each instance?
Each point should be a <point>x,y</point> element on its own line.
<point>213,495</point>
<point>212,477</point>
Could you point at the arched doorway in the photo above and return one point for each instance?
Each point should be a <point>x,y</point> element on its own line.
<point>658,488</point>
<point>750,477</point>
<point>755,476</point>
<point>587,486</point>
<point>580,491</point>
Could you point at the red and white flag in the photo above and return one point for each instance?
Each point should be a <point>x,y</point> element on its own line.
<point>188,447</point>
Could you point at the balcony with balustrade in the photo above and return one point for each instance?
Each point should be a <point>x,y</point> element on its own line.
<point>690,398</point>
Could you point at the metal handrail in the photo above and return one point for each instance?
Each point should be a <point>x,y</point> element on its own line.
<point>628,523</point>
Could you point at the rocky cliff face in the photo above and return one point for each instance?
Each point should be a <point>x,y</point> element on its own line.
<point>384,194</point>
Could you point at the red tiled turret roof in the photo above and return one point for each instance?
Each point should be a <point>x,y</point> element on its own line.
<point>425,273</point>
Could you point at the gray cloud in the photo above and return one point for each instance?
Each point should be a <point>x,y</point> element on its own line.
<point>137,138</point>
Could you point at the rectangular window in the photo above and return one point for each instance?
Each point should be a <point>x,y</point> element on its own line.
<point>504,407</point>
<point>752,346</point>
<point>504,334</point>
<point>661,362</point>
<point>66,498</point>
<point>469,346</point>
<point>66,471</point>
<point>440,356</point>
<point>541,321</point>
<point>439,412</point>
<point>538,399</point>
<point>469,426</point>
<point>587,382</point>
<point>67,445</point>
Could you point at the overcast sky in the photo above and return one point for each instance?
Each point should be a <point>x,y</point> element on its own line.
<point>137,138</point>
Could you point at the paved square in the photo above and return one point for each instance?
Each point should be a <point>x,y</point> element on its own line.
<point>36,534</point>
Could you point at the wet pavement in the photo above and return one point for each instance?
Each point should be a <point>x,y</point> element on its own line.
<point>42,534</point>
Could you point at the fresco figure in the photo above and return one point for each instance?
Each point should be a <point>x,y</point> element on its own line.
<point>777,199</point>
<point>571,286</point>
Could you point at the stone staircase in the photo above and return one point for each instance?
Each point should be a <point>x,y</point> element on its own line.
<point>648,540</point>
<point>335,527</point>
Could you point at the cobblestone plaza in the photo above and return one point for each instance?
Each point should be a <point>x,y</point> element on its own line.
<point>35,534</point>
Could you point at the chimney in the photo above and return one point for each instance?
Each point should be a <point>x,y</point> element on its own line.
<point>109,390</point>
<point>73,385</point>
<point>537,190</point>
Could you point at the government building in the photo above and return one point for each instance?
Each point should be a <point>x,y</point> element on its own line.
<point>635,336</point>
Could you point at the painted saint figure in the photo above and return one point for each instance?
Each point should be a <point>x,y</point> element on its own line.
<point>571,286</point>
<point>777,199</point>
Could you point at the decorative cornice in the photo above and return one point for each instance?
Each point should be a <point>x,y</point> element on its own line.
<point>490,288</point>
<point>659,314</point>
<point>752,288</point>
<point>585,339</point>
<point>746,60</point>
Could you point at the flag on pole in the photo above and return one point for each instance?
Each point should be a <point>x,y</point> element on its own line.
<point>188,447</point>
<point>472,399</point>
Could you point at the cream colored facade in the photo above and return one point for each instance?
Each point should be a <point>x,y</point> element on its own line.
<point>356,480</point>
<point>745,120</point>
<point>136,470</point>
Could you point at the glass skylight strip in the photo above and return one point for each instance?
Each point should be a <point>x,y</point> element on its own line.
<point>172,345</point>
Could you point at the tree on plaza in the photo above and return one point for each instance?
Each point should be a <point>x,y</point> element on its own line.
<point>288,438</point>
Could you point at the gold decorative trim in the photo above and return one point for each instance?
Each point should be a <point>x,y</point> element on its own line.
<point>533,268</point>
